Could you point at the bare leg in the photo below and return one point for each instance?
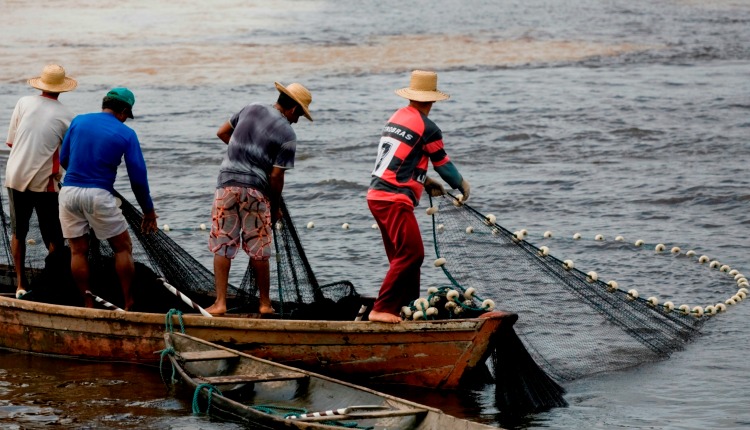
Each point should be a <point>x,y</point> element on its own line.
<point>79,266</point>
<point>384,317</point>
<point>18,249</point>
<point>262,271</point>
<point>221,275</point>
<point>124,265</point>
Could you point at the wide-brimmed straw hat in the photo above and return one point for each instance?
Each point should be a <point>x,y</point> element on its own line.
<point>423,88</point>
<point>53,80</point>
<point>299,94</point>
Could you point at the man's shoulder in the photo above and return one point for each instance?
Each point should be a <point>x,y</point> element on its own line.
<point>26,99</point>
<point>102,120</point>
<point>26,102</point>
<point>84,117</point>
<point>256,108</point>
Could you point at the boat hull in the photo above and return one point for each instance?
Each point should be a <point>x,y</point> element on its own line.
<point>426,353</point>
<point>277,390</point>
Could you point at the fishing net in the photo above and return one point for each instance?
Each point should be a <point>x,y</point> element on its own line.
<point>571,322</point>
<point>296,291</point>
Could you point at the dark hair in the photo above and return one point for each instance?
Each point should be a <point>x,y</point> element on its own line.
<point>115,105</point>
<point>286,102</point>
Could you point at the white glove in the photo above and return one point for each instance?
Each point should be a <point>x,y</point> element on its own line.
<point>465,189</point>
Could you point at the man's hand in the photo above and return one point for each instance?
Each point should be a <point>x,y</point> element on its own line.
<point>148,224</point>
<point>465,189</point>
<point>276,215</point>
<point>433,187</point>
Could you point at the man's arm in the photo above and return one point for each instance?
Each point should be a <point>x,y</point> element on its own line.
<point>65,150</point>
<point>14,118</point>
<point>225,132</point>
<point>137,173</point>
<point>277,185</point>
<point>450,174</point>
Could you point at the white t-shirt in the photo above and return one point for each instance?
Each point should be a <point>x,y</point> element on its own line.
<point>37,128</point>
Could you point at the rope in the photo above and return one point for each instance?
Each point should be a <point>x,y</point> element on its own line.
<point>196,395</point>
<point>284,411</point>
<point>287,412</point>
<point>350,425</point>
<point>164,353</point>
<point>169,323</point>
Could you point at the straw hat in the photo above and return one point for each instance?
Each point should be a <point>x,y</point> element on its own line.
<point>53,80</point>
<point>423,88</point>
<point>299,94</point>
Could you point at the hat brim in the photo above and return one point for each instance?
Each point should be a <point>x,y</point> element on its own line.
<point>285,91</point>
<point>422,96</point>
<point>68,84</point>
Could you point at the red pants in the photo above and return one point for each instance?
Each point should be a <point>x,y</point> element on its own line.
<point>403,246</point>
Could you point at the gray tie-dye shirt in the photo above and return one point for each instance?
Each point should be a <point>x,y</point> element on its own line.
<point>262,139</point>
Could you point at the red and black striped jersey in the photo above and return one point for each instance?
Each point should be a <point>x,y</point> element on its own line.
<point>408,141</point>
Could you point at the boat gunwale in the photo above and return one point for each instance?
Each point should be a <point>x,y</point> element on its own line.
<point>276,325</point>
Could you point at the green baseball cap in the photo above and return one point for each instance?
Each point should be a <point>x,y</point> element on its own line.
<point>124,95</point>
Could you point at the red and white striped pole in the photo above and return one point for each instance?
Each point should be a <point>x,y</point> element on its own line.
<point>104,303</point>
<point>185,299</point>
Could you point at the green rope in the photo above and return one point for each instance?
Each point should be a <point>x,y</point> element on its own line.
<point>196,395</point>
<point>164,353</point>
<point>168,323</point>
<point>284,411</point>
<point>350,425</point>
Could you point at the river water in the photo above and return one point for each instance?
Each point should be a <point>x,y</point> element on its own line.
<point>618,118</point>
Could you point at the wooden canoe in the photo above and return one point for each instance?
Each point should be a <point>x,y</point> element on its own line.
<point>265,394</point>
<point>435,353</point>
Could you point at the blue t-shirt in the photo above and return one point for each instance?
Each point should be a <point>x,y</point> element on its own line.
<point>92,150</point>
<point>261,140</point>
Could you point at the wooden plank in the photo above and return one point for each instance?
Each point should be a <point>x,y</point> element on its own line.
<point>261,377</point>
<point>367,415</point>
<point>218,354</point>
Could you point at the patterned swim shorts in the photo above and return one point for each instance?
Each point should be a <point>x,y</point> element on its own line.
<point>240,215</point>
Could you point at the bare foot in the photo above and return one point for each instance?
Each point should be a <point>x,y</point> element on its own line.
<point>384,317</point>
<point>266,309</point>
<point>216,309</point>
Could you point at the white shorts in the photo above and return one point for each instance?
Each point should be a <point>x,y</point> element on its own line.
<point>82,209</point>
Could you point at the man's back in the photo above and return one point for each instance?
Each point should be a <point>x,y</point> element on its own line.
<point>93,150</point>
<point>36,131</point>
<point>262,139</point>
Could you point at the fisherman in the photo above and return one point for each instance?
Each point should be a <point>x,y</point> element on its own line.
<point>261,147</point>
<point>32,174</point>
<point>408,141</point>
<point>92,150</point>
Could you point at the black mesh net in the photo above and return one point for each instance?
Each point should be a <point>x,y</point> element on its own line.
<point>521,384</point>
<point>613,328</point>
<point>295,290</point>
